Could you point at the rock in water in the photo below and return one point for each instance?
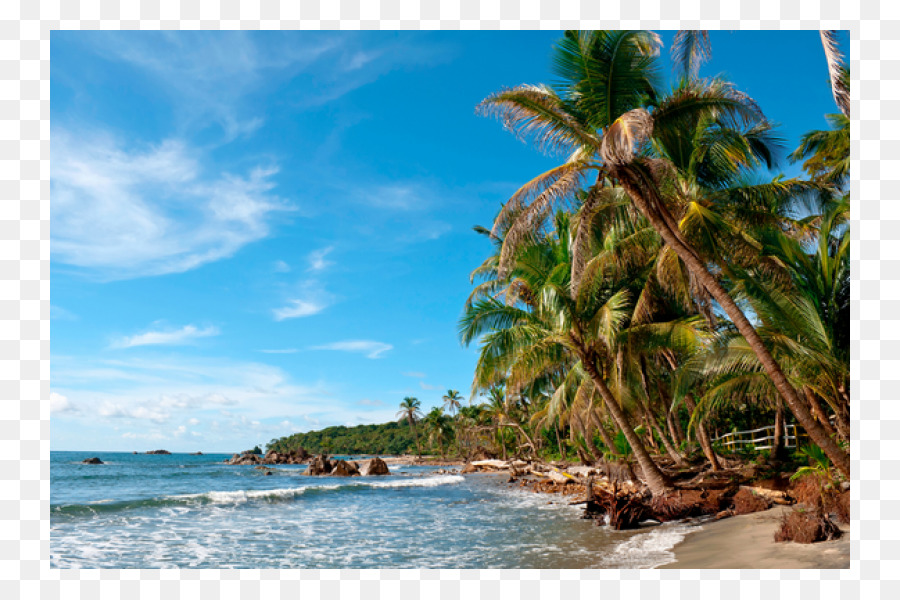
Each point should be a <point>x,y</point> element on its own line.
<point>320,466</point>
<point>344,469</point>
<point>92,461</point>
<point>375,466</point>
<point>158,452</point>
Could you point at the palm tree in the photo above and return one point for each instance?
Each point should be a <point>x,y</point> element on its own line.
<point>565,324</point>
<point>439,428</point>
<point>601,116</point>
<point>409,412</point>
<point>452,401</point>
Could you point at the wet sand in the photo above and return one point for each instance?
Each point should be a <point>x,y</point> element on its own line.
<point>747,542</point>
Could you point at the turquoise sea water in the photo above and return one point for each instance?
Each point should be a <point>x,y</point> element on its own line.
<point>179,510</point>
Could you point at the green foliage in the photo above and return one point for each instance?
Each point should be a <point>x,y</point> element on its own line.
<point>386,438</point>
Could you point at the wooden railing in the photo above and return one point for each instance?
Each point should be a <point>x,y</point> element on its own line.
<point>792,437</point>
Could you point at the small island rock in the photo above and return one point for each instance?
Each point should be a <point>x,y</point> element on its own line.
<point>92,461</point>
<point>375,466</point>
<point>344,469</point>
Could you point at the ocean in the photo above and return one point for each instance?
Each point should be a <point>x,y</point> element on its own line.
<point>186,511</point>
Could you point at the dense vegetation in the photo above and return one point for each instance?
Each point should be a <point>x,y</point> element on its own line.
<point>656,281</point>
<point>658,287</point>
<point>387,438</point>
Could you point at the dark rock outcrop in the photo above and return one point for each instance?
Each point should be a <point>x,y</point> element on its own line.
<point>297,456</point>
<point>344,469</point>
<point>375,466</point>
<point>196,454</point>
<point>246,458</point>
<point>158,452</point>
<point>92,461</point>
<point>320,465</point>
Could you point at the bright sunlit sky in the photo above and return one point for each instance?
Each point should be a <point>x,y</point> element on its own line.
<point>258,233</point>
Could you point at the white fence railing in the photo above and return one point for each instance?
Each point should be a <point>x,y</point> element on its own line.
<point>743,438</point>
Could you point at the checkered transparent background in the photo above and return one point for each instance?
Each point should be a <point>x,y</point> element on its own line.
<point>25,297</point>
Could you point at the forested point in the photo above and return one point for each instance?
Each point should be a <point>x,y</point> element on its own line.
<point>386,438</point>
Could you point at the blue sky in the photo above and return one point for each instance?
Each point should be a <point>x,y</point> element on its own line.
<point>257,233</point>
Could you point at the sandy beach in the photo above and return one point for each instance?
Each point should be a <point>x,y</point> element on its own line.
<point>747,542</point>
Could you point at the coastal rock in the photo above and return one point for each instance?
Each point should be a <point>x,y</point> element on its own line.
<point>294,457</point>
<point>92,461</point>
<point>320,465</point>
<point>468,468</point>
<point>196,454</point>
<point>375,466</point>
<point>344,469</point>
<point>246,458</point>
<point>158,452</point>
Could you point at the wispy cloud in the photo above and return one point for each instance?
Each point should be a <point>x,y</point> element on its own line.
<point>211,76</point>
<point>317,260</point>
<point>280,351</point>
<point>311,300</point>
<point>369,402</point>
<point>298,308</point>
<point>368,347</point>
<point>171,337</point>
<point>281,267</point>
<point>128,212</point>
<point>425,386</point>
<point>415,374</point>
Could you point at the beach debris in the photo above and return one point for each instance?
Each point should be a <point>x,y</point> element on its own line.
<point>806,526</point>
<point>92,461</point>
<point>747,501</point>
<point>374,466</point>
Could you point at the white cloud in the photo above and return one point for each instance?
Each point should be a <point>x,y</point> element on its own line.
<point>128,212</point>
<point>281,351</point>
<point>370,348</point>
<point>415,374</point>
<point>310,300</point>
<point>114,410</point>
<point>211,76</point>
<point>425,386</point>
<point>281,267</point>
<point>185,335</point>
<point>193,422</point>
<point>60,404</point>
<point>299,308</point>
<point>317,260</point>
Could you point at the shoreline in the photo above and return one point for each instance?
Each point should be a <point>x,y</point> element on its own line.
<point>747,542</point>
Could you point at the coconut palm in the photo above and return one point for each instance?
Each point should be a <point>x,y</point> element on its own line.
<point>609,116</point>
<point>452,401</point>
<point>409,412</point>
<point>439,428</point>
<point>524,344</point>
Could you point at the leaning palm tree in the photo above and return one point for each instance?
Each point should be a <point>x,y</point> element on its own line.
<point>521,345</point>
<point>452,401</point>
<point>409,412</point>
<point>610,117</point>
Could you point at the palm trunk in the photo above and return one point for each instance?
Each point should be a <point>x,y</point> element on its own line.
<point>656,480</point>
<point>778,442</point>
<point>703,436</point>
<point>633,186</point>
<point>416,438</point>
<point>651,420</point>
<point>607,439</point>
